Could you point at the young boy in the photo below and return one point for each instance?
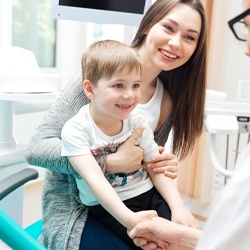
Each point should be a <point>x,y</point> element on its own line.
<point>111,80</point>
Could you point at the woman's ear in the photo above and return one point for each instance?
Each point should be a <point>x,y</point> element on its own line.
<point>87,87</point>
<point>146,32</point>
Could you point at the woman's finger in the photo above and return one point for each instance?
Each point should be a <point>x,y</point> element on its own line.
<point>136,135</point>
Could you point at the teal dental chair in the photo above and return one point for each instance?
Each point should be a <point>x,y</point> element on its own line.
<point>11,233</point>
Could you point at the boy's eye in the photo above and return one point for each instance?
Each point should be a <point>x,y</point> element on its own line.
<point>118,85</point>
<point>136,86</point>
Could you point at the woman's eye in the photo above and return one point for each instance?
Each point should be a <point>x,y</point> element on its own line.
<point>191,38</point>
<point>169,28</point>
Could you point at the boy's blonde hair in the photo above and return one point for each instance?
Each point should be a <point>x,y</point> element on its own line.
<point>103,58</point>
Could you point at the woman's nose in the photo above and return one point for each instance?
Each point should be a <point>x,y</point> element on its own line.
<point>175,41</point>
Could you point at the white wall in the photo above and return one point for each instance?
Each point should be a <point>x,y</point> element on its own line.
<point>236,63</point>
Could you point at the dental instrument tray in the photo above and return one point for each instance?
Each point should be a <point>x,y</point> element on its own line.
<point>222,124</point>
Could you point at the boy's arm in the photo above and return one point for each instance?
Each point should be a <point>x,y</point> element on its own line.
<point>165,185</point>
<point>91,172</point>
<point>168,190</point>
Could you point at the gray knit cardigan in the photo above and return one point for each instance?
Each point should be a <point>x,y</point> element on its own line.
<point>64,216</point>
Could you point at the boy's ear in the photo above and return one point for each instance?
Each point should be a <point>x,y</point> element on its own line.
<point>87,87</point>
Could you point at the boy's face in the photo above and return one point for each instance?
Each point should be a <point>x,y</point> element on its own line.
<point>115,97</point>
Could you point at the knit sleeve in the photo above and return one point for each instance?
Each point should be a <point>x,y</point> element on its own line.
<point>161,136</point>
<point>44,147</point>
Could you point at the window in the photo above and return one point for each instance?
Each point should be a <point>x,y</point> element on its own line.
<point>33,29</point>
<point>58,44</point>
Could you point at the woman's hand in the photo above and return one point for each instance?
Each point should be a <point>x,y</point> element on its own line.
<point>128,157</point>
<point>165,163</point>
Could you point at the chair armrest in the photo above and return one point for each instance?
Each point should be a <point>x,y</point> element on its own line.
<point>16,180</point>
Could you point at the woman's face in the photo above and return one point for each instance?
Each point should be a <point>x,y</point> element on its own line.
<point>246,6</point>
<point>172,41</point>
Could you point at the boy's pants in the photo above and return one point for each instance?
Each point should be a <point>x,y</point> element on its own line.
<point>151,200</point>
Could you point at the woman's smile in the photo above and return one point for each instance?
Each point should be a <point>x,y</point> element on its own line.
<point>168,55</point>
<point>172,41</point>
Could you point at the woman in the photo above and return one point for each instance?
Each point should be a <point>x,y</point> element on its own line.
<point>228,225</point>
<point>171,41</point>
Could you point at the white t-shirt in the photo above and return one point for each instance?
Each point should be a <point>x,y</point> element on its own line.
<point>228,226</point>
<point>152,109</point>
<point>81,136</point>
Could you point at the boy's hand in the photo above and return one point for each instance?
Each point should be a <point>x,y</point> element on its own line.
<point>141,216</point>
<point>182,216</point>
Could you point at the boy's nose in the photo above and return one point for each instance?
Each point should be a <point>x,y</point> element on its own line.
<point>128,94</point>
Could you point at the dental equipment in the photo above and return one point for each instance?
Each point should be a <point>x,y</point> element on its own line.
<point>221,108</point>
<point>220,124</point>
<point>23,89</point>
<point>129,12</point>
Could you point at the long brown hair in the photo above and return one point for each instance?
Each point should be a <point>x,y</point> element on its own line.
<point>187,83</point>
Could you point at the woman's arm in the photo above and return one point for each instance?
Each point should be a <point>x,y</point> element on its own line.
<point>129,158</point>
<point>44,147</point>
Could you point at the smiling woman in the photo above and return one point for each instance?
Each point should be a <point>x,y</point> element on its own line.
<point>188,58</point>
<point>172,97</point>
<point>182,36</point>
